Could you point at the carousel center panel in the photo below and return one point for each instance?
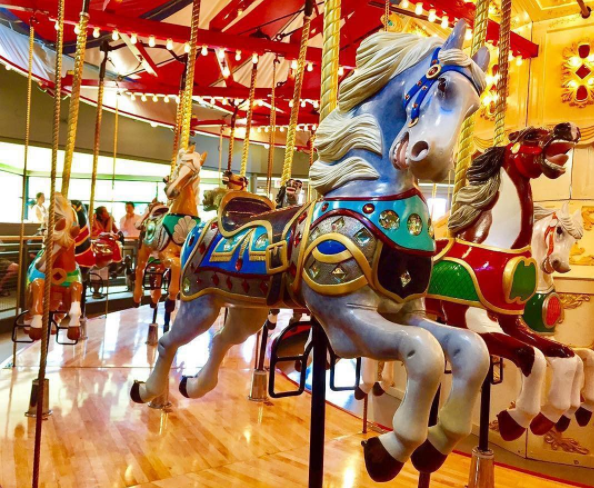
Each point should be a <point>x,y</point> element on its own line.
<point>97,438</point>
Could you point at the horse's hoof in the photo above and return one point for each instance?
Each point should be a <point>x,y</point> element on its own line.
<point>169,305</point>
<point>380,465</point>
<point>378,390</point>
<point>359,394</point>
<point>35,333</point>
<point>509,429</point>
<point>563,424</point>
<point>427,459</point>
<point>73,333</point>
<point>183,386</point>
<point>136,304</point>
<point>583,416</point>
<point>541,425</point>
<point>135,392</point>
<point>298,366</point>
<point>154,305</point>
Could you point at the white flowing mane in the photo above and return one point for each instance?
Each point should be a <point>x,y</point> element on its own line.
<point>380,58</point>
<point>574,226</point>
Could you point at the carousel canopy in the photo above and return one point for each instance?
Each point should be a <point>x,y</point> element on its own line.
<point>147,43</point>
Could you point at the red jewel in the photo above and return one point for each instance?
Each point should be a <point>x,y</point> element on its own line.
<point>264,287</point>
<point>293,270</point>
<point>229,282</point>
<point>368,208</point>
<point>238,264</point>
<point>297,239</point>
<point>245,285</point>
<point>302,217</point>
<point>215,279</point>
<point>325,206</point>
<point>553,311</point>
<point>201,248</point>
<point>214,225</point>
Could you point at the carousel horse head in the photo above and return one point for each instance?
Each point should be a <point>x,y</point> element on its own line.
<point>535,150</point>
<point>289,193</point>
<point>233,181</point>
<point>555,233</point>
<point>187,171</point>
<point>399,113</point>
<point>66,227</point>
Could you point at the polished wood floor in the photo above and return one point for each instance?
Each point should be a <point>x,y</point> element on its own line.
<point>97,438</point>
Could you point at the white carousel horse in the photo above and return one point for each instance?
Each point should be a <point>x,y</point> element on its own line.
<point>362,250</point>
<point>555,232</point>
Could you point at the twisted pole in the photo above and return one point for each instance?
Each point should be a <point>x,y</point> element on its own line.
<point>79,61</point>
<point>465,148</point>
<point>502,82</point>
<point>272,137</point>
<point>330,56</point>
<point>248,127</point>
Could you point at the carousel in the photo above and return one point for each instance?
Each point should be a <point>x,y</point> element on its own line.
<point>365,256</point>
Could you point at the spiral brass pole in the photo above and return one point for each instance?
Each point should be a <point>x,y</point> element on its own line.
<point>48,255</point>
<point>186,117</point>
<point>116,125</point>
<point>79,61</point>
<point>312,141</point>
<point>502,82</point>
<point>465,147</point>
<point>386,15</point>
<point>231,140</point>
<point>221,154</point>
<point>176,128</point>
<point>22,260</point>
<point>97,141</point>
<point>292,130</point>
<point>272,137</point>
<point>330,57</point>
<point>248,125</point>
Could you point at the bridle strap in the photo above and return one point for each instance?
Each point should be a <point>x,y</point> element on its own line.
<point>549,238</point>
<point>421,88</point>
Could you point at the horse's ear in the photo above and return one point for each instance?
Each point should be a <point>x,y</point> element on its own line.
<point>565,208</point>
<point>513,136</point>
<point>482,58</point>
<point>456,39</point>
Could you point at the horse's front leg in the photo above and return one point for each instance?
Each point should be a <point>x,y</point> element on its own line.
<point>575,397</point>
<point>142,258</point>
<point>75,311</point>
<point>36,308</point>
<point>355,328</point>
<point>584,413</point>
<point>369,374</point>
<point>469,358</point>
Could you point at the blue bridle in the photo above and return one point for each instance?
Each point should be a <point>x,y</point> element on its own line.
<point>421,88</point>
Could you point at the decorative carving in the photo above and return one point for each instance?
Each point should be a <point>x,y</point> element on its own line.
<point>578,257</point>
<point>556,440</point>
<point>571,301</point>
<point>577,74</point>
<point>588,216</point>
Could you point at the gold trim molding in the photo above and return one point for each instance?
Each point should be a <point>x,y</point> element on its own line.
<point>556,440</point>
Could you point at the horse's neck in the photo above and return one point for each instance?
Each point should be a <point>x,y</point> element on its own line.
<point>511,217</point>
<point>65,259</point>
<point>539,252</point>
<point>185,203</point>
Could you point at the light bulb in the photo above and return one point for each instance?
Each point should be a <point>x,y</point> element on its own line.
<point>291,103</point>
<point>96,33</point>
<point>77,29</point>
<point>155,98</point>
<point>226,72</point>
<point>56,25</point>
<point>225,101</point>
<point>432,15</point>
<point>143,98</point>
<point>255,58</point>
<point>187,47</point>
<point>294,64</point>
<point>259,129</point>
<point>238,55</point>
<point>260,103</point>
<point>221,54</point>
<point>575,61</point>
<point>133,97</point>
<point>166,99</point>
<point>115,35</point>
<point>405,4</point>
<point>302,103</point>
<point>591,81</point>
<point>169,44</point>
<point>573,84</point>
<point>340,71</point>
<point>519,61</point>
<point>152,41</point>
<point>316,104</point>
<point>314,127</point>
<point>445,22</point>
<point>419,8</point>
<point>309,67</point>
<point>133,39</point>
<point>281,128</point>
<point>204,51</point>
<point>468,35</point>
<point>177,99</point>
<point>266,129</point>
<point>154,125</point>
<point>8,67</point>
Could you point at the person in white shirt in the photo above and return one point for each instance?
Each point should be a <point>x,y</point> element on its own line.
<point>39,211</point>
<point>128,223</point>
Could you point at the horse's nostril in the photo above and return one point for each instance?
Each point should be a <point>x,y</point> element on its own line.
<point>419,150</point>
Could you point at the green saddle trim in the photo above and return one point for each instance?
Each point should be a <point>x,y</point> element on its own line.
<point>452,280</point>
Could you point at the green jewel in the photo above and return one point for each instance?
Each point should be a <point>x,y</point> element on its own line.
<point>415,224</point>
<point>363,236</point>
<point>337,224</point>
<point>262,242</point>
<point>314,234</point>
<point>339,274</point>
<point>405,279</point>
<point>314,270</point>
<point>389,220</point>
<point>186,285</point>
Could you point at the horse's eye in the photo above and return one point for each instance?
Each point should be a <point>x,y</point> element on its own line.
<point>531,136</point>
<point>559,231</point>
<point>442,85</point>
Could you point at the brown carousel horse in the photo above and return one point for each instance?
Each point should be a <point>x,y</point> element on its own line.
<point>66,289</point>
<point>483,277</point>
<point>165,232</point>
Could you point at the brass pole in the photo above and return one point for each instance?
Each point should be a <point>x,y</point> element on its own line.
<point>330,52</point>
<point>248,127</point>
<point>272,137</point>
<point>502,82</point>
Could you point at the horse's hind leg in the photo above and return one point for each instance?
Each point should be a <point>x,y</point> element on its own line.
<point>240,324</point>
<point>142,258</point>
<point>369,373</point>
<point>584,413</point>
<point>575,397</point>
<point>355,328</point>
<point>194,318</point>
<point>469,359</point>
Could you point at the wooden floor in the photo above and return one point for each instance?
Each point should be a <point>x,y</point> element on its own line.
<point>97,438</point>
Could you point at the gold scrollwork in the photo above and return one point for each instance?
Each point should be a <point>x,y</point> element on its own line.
<point>577,74</point>
<point>556,440</point>
<point>588,216</point>
<point>572,301</point>
<point>578,256</point>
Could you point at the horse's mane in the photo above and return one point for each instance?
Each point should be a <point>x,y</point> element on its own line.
<point>573,226</point>
<point>483,186</point>
<point>63,210</point>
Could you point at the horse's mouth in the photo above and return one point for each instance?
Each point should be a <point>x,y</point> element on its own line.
<point>557,154</point>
